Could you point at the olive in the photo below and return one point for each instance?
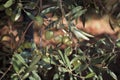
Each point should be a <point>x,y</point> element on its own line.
<point>38,21</point>
<point>49,34</point>
<point>69,43</point>
<point>58,38</point>
<point>76,63</point>
<point>65,39</point>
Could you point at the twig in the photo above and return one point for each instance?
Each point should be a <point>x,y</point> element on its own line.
<point>22,38</point>
<point>6,72</point>
<point>62,10</point>
<point>41,5</point>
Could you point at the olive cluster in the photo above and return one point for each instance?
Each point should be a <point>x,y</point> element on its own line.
<point>64,39</point>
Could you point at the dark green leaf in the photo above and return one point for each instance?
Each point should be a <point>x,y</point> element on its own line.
<point>30,5</point>
<point>78,14</point>
<point>74,11</point>
<point>49,9</point>
<point>83,66</point>
<point>30,15</point>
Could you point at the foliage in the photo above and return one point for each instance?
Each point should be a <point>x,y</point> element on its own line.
<point>68,64</point>
<point>90,60</point>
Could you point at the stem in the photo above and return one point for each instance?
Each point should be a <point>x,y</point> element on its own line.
<point>6,72</point>
<point>62,10</point>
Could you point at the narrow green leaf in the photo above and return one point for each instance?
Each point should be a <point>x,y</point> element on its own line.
<point>62,69</point>
<point>17,16</point>
<point>67,61</point>
<point>49,9</point>
<point>112,58</point>
<point>78,14</point>
<point>30,15</point>
<point>61,62</point>
<point>86,34</point>
<point>14,76</point>
<point>118,43</point>
<point>73,11</point>
<point>61,55</point>
<point>35,75</point>
<point>25,76</point>
<point>78,34</point>
<point>15,66</point>
<point>48,60</point>
<point>76,9</point>
<point>90,75</point>
<point>8,3</point>
<point>31,78</point>
<point>35,60</point>
<point>71,77</point>
<point>56,76</point>
<point>68,51</point>
<point>112,74</point>
<point>31,68</point>
<point>20,58</point>
<point>97,60</point>
<point>22,69</point>
<point>100,77</point>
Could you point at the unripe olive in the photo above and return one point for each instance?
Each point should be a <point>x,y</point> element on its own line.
<point>76,63</point>
<point>38,21</point>
<point>58,38</point>
<point>65,39</point>
<point>49,35</point>
<point>69,43</point>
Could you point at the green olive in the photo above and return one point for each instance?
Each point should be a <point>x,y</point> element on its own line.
<point>69,43</point>
<point>58,38</point>
<point>38,21</point>
<point>66,39</point>
<point>76,63</point>
<point>49,35</point>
